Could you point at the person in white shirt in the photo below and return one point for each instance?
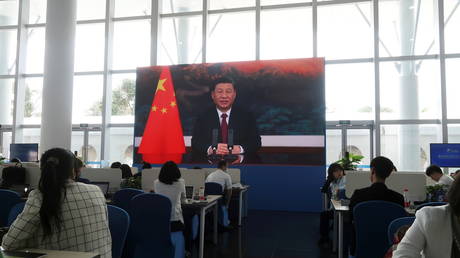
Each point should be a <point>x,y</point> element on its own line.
<point>62,214</point>
<point>221,177</point>
<point>435,232</point>
<point>436,174</point>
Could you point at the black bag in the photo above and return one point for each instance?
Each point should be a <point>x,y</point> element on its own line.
<point>14,175</point>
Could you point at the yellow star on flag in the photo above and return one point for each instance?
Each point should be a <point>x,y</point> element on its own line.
<point>154,108</point>
<point>173,104</point>
<point>164,111</point>
<point>160,85</point>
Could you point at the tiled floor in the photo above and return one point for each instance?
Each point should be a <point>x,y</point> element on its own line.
<point>270,234</point>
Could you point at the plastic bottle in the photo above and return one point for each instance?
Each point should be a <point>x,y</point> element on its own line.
<point>406,199</point>
<point>202,193</point>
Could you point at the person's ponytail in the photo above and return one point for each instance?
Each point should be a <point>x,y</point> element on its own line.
<point>56,169</point>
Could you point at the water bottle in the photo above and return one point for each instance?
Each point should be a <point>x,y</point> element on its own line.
<point>202,193</point>
<point>406,198</point>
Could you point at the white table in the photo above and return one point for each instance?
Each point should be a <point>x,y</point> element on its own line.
<point>241,191</point>
<point>62,254</point>
<point>339,210</point>
<point>202,207</point>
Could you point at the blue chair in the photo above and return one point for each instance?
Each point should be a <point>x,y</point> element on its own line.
<point>123,197</point>
<point>371,221</point>
<point>118,225</point>
<point>150,230</point>
<point>212,188</point>
<point>14,212</point>
<point>7,200</point>
<point>396,224</point>
<point>430,204</point>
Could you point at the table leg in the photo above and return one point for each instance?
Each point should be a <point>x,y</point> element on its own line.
<point>240,208</point>
<point>340,251</point>
<point>334,234</point>
<point>216,211</point>
<point>202,221</point>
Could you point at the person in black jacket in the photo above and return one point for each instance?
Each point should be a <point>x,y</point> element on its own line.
<point>222,117</point>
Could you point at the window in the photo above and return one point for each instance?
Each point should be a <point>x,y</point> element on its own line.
<point>401,34</point>
<point>35,57</point>
<point>87,108</point>
<point>37,11</point>
<point>33,100</point>
<point>180,40</point>
<point>227,4</point>
<point>121,142</point>
<point>286,33</point>
<point>6,101</point>
<point>89,47</point>
<point>8,12</point>
<point>131,44</point>
<point>231,37</point>
<point>333,145</point>
<point>344,31</point>
<point>451,25</point>
<point>278,2</point>
<point>410,90</point>
<point>350,91</point>
<point>123,93</point>
<point>453,89</point>
<point>178,6</point>
<point>7,51</point>
<point>90,9</point>
<point>125,8</point>
<point>7,140</point>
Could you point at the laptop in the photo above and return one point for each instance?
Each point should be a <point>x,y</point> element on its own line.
<point>189,191</point>
<point>103,185</point>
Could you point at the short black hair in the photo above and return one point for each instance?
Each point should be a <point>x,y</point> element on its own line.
<point>115,164</point>
<point>433,169</point>
<point>169,173</point>
<point>453,197</point>
<point>15,160</point>
<point>222,164</point>
<point>383,166</point>
<point>146,165</point>
<point>126,171</point>
<point>222,80</point>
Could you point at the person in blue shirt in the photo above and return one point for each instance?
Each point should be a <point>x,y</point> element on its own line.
<point>334,185</point>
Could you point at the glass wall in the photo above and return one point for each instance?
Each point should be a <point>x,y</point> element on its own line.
<point>393,78</point>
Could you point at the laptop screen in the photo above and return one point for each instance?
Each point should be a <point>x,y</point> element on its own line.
<point>103,185</point>
<point>189,191</point>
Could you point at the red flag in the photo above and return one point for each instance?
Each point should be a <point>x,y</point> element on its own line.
<point>163,138</point>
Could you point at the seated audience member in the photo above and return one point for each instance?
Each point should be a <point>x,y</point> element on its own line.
<point>171,184</point>
<point>335,181</point>
<point>79,165</point>
<point>126,171</point>
<point>146,165</point>
<point>398,236</point>
<point>14,178</point>
<point>221,177</point>
<point>115,164</point>
<point>435,232</point>
<point>435,172</point>
<point>381,168</point>
<point>15,160</point>
<point>62,214</point>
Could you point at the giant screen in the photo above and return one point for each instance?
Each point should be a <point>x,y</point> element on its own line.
<point>282,101</point>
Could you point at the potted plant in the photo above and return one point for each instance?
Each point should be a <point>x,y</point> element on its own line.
<point>436,193</point>
<point>132,182</point>
<point>2,159</point>
<point>350,161</point>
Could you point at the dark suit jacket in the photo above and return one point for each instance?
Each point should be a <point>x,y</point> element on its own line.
<point>375,192</point>
<point>243,123</point>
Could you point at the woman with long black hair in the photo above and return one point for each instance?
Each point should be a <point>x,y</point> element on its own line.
<point>62,214</point>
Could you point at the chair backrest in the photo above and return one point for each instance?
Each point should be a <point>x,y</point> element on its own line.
<point>212,188</point>
<point>122,198</point>
<point>150,233</point>
<point>396,224</point>
<point>7,200</point>
<point>14,212</point>
<point>371,221</point>
<point>118,225</point>
<point>430,204</point>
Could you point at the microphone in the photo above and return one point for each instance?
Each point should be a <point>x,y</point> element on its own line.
<point>215,135</point>
<point>230,140</point>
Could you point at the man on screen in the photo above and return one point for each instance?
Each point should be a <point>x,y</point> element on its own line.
<point>226,122</point>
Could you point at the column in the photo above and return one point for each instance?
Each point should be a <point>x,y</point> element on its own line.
<point>56,128</point>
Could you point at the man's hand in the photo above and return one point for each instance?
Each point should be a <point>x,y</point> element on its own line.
<point>236,149</point>
<point>222,148</point>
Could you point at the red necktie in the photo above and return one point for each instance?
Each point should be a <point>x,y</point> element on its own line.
<point>224,128</point>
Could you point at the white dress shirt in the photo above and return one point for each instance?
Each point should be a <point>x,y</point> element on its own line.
<point>176,193</point>
<point>445,180</point>
<point>220,177</point>
<point>84,226</point>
